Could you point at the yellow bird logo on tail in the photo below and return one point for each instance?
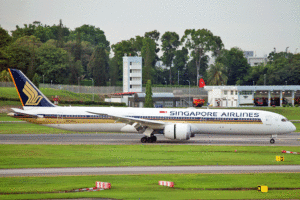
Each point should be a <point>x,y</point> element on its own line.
<point>33,97</point>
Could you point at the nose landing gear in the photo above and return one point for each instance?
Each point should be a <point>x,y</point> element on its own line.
<point>272,141</point>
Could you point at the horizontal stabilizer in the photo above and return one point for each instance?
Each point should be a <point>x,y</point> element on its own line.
<point>23,112</point>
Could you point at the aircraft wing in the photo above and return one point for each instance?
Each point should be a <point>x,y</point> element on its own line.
<point>132,120</point>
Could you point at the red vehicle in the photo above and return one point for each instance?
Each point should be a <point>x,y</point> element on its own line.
<point>198,102</point>
<point>260,102</point>
<point>297,100</point>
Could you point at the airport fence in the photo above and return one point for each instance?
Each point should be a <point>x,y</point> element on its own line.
<point>6,84</point>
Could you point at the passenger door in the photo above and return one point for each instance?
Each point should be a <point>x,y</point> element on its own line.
<point>268,120</point>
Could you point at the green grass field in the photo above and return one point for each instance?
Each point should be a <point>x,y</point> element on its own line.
<point>16,104</point>
<point>43,156</point>
<point>187,186</point>
<point>48,92</point>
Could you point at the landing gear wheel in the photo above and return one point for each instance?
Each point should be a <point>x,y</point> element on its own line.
<point>150,139</point>
<point>154,138</point>
<point>144,139</point>
<point>272,141</point>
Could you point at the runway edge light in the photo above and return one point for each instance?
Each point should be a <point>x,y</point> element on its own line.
<point>279,158</point>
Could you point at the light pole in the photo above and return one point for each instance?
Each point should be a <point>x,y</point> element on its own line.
<point>166,85</point>
<point>93,87</point>
<point>253,83</point>
<point>178,77</point>
<point>189,93</point>
<point>285,82</point>
<point>264,79</point>
<point>78,84</point>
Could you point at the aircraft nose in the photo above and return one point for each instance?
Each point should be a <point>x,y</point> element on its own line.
<point>293,127</point>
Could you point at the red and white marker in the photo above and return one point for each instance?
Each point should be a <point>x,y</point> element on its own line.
<point>103,185</point>
<point>166,183</point>
<point>284,151</point>
<point>99,186</point>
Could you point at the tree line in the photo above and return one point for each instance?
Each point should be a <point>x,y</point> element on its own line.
<point>56,54</point>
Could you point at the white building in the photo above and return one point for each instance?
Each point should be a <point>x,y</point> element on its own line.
<point>253,60</point>
<point>235,96</point>
<point>227,96</point>
<point>132,74</point>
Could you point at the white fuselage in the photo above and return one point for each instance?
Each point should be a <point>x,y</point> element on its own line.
<point>202,121</point>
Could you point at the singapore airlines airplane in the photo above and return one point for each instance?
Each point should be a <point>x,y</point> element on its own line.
<point>179,124</point>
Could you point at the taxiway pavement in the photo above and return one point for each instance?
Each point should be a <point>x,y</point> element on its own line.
<point>292,139</point>
<point>148,170</point>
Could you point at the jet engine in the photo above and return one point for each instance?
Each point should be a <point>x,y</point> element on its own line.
<point>178,131</point>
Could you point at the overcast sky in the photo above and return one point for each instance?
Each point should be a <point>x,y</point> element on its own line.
<point>250,25</point>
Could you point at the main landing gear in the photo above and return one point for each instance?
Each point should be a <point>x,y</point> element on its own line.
<point>148,139</point>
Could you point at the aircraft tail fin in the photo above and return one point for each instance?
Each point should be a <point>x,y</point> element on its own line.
<point>29,94</point>
<point>201,83</point>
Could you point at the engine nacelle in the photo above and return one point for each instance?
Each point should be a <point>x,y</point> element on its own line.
<point>178,131</point>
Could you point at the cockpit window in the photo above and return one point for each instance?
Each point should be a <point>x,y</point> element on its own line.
<point>284,120</point>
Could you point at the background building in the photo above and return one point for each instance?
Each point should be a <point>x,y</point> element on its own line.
<point>160,100</point>
<point>253,60</point>
<point>235,96</point>
<point>132,74</point>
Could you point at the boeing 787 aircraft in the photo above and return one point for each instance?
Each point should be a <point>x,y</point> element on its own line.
<point>178,124</point>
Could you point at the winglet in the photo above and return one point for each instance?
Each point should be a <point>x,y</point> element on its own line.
<point>28,93</point>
